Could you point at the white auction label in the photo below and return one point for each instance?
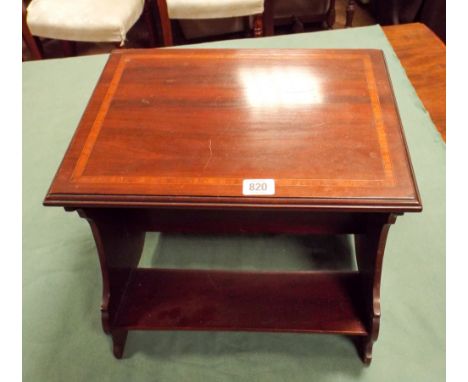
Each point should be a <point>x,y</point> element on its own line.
<point>258,187</point>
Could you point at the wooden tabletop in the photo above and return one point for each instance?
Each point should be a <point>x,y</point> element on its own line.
<point>422,55</point>
<point>191,125</point>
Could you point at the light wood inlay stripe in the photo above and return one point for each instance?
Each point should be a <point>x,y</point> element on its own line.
<point>96,128</point>
<point>77,174</point>
<point>379,124</point>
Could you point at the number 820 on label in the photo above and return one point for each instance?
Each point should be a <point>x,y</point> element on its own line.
<point>258,187</point>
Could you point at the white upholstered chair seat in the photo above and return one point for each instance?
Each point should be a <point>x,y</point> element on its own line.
<point>83,20</point>
<point>212,9</point>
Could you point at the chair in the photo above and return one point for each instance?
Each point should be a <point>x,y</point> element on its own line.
<point>299,12</point>
<point>208,9</point>
<point>86,20</point>
<point>29,39</point>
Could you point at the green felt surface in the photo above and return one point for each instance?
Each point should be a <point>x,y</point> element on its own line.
<point>62,337</point>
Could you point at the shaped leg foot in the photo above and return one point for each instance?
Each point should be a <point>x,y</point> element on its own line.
<point>364,348</point>
<point>119,337</point>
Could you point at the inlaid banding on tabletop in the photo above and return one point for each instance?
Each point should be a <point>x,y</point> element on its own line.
<point>200,122</point>
<point>303,142</point>
<point>151,102</point>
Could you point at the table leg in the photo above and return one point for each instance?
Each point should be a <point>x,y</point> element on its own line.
<point>119,337</point>
<point>132,297</point>
<point>370,247</point>
<point>119,247</point>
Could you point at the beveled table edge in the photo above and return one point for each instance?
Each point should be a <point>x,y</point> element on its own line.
<point>342,204</point>
<point>204,202</point>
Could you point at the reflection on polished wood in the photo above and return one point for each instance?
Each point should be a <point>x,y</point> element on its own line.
<point>164,145</point>
<point>422,54</point>
<point>182,125</point>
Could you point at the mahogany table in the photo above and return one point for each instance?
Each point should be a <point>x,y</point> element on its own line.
<point>239,141</point>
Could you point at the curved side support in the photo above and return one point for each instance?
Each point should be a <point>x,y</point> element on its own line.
<point>370,247</point>
<point>119,247</point>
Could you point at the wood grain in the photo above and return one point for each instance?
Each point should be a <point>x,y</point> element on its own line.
<point>28,38</point>
<point>119,246</point>
<point>195,123</point>
<point>422,54</point>
<point>369,248</point>
<point>173,131</point>
<point>175,299</point>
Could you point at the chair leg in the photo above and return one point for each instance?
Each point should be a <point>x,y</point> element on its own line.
<point>39,45</point>
<point>298,26</point>
<point>165,22</point>
<point>331,15</point>
<point>349,13</point>
<point>258,25</point>
<point>29,39</point>
<point>149,23</point>
<point>32,46</point>
<point>246,26</point>
<point>269,18</point>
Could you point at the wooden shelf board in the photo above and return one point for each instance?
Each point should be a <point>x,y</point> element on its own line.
<point>174,299</point>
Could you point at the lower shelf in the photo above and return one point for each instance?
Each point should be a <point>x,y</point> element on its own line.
<point>170,299</point>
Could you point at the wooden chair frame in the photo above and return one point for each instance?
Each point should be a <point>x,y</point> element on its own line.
<point>28,38</point>
<point>328,17</point>
<point>166,27</point>
<point>69,47</point>
<point>350,8</point>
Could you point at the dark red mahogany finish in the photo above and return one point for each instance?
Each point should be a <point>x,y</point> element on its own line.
<point>164,145</point>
